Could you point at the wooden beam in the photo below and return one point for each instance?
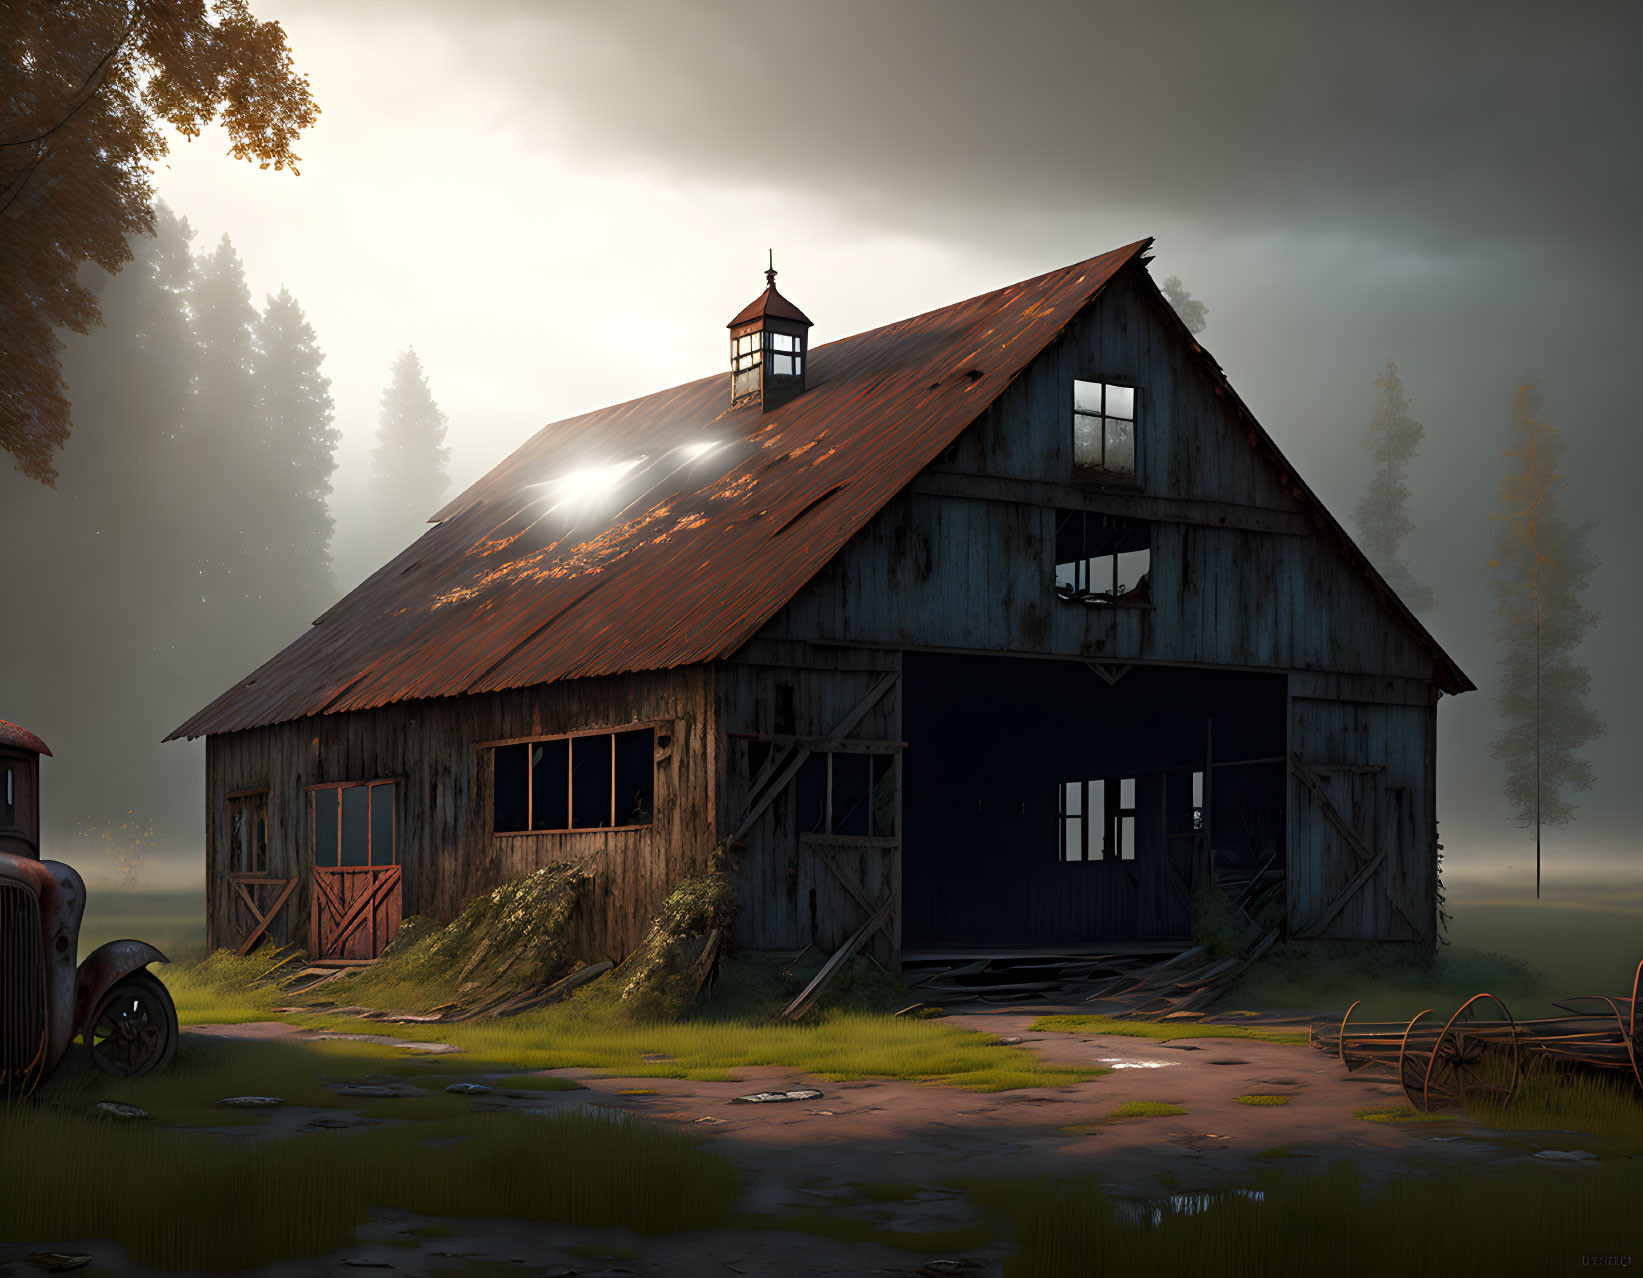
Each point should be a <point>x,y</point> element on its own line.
<point>840,956</point>
<point>1353,887</point>
<point>842,729</point>
<point>1177,510</point>
<point>839,745</point>
<point>263,920</point>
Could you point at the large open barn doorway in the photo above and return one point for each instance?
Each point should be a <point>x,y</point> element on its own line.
<point>1056,803</point>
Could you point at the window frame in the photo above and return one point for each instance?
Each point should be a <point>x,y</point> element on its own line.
<point>1112,845</point>
<point>1099,475</point>
<point>311,792</point>
<point>658,752</point>
<point>234,797</point>
<point>871,750</point>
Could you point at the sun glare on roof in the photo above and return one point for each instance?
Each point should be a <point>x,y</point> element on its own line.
<point>590,484</point>
<point>696,450</point>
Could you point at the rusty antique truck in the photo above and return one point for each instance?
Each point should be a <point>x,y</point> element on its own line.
<point>122,1011</point>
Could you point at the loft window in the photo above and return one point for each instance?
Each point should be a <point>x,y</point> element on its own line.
<point>354,825</point>
<point>591,781</point>
<point>847,793</point>
<point>1102,559</point>
<point>1103,433</point>
<point>1097,819</point>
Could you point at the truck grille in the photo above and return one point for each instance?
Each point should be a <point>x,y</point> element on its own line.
<point>22,990</point>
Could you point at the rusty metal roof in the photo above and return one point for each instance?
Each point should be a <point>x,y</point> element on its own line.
<point>769,303</point>
<point>21,739</point>
<point>664,531</point>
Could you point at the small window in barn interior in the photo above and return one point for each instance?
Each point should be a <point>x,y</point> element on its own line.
<point>1083,820</point>
<point>593,781</point>
<point>1197,800</point>
<point>248,833</point>
<point>1102,559</point>
<point>847,793</point>
<point>1124,825</point>
<point>1103,433</point>
<point>355,825</point>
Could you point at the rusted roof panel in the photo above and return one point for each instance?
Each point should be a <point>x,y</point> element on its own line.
<point>704,520</point>
<point>772,303</point>
<point>21,739</point>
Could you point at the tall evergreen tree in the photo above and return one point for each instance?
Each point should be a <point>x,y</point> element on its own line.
<point>1541,567</point>
<point>408,476</point>
<point>1391,440</point>
<point>1194,314</point>
<point>295,411</point>
<point>99,563</point>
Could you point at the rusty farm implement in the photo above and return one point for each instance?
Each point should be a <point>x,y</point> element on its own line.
<point>1481,1051</point>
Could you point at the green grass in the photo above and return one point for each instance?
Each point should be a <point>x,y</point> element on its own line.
<point>1146,1109</point>
<point>1263,1098</point>
<point>1392,1113</point>
<point>173,922</point>
<point>1552,1097</point>
<point>1529,1221</point>
<point>1149,1029</point>
<point>64,1168</point>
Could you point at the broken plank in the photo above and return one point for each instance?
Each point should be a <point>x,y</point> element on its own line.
<point>840,956</point>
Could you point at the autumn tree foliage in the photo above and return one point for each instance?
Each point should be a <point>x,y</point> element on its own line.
<point>1541,567</point>
<point>1194,314</point>
<point>1391,439</point>
<point>90,83</point>
<point>408,475</point>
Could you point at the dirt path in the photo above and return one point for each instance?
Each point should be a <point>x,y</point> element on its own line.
<point>811,1155</point>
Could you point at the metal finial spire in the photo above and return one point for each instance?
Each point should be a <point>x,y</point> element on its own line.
<point>770,271</point>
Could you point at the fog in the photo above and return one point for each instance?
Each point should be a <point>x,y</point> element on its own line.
<point>560,206</point>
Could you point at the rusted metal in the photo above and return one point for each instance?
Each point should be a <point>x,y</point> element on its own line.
<point>21,739</point>
<point>1470,1057</point>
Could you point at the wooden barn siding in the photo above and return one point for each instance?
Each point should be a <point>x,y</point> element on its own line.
<point>778,879</point>
<point>1401,738</point>
<point>973,572</point>
<point>448,851</point>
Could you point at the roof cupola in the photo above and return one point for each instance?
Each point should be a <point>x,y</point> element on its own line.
<point>769,348</point>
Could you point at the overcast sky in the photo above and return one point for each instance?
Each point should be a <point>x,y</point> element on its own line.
<point>560,206</point>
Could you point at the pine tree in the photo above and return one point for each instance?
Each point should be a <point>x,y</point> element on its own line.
<point>1541,567</point>
<point>1382,515</point>
<point>1194,314</point>
<point>408,477</point>
<point>296,433</point>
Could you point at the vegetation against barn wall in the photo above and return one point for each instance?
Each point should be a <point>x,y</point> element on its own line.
<point>1541,569</point>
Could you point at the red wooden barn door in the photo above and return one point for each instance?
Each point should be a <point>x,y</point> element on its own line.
<point>356,908</point>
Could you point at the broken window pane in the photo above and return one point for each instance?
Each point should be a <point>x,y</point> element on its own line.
<point>1087,397</point>
<point>382,824</point>
<point>550,785</point>
<point>1121,401</point>
<point>509,808</point>
<point>852,784</point>
<point>325,827</point>
<point>590,782</point>
<point>884,796</point>
<point>635,776</point>
<point>1129,568</point>
<point>355,826</point>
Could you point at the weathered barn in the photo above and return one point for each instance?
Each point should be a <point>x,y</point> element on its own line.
<point>998,626</point>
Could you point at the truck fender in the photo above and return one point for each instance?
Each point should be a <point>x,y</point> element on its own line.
<point>103,967</point>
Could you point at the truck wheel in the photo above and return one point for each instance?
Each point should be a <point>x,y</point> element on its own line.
<point>134,1029</point>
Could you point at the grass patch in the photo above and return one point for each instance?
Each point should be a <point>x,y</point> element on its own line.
<point>1531,1220</point>
<point>1153,1030</point>
<point>219,989</point>
<point>1146,1109</point>
<point>1263,1098</point>
<point>1404,1113</point>
<point>313,1189</point>
<point>1083,1129</point>
<point>1557,1097</point>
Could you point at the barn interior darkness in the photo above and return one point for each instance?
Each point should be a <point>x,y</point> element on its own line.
<point>1007,843</point>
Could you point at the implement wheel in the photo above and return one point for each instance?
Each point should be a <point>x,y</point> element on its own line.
<point>1473,1059</point>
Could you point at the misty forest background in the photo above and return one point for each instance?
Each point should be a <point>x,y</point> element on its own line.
<point>189,536</point>
<point>193,532</point>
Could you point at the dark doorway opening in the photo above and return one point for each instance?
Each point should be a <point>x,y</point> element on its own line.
<point>1048,804</point>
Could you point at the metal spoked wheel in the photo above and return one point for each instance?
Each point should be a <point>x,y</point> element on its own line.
<point>1470,1062</point>
<point>134,1029</point>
